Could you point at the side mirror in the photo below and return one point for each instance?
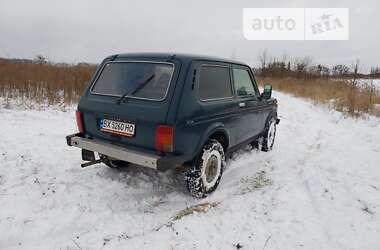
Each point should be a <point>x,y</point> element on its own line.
<point>267,93</point>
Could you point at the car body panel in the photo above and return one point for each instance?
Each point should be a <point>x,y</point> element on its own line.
<point>193,120</point>
<point>145,114</point>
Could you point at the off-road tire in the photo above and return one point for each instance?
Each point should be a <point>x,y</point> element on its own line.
<point>261,143</point>
<point>195,176</point>
<point>269,135</point>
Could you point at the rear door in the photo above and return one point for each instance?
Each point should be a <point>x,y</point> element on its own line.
<point>249,108</point>
<point>147,86</point>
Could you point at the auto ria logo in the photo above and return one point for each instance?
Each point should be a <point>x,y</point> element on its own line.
<point>296,23</point>
<point>327,23</point>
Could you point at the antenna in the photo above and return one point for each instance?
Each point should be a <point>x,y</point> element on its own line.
<point>172,57</point>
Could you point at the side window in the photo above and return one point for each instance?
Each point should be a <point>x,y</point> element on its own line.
<point>214,82</point>
<point>243,82</point>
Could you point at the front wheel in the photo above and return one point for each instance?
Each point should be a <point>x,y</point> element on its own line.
<point>203,178</point>
<point>265,142</point>
<point>269,135</point>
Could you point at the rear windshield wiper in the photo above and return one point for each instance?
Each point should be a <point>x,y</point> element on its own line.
<point>132,91</point>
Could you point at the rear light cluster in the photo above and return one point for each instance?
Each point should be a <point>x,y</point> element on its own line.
<point>164,138</point>
<point>79,118</point>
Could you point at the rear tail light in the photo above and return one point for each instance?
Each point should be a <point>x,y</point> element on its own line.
<point>78,116</point>
<point>164,138</point>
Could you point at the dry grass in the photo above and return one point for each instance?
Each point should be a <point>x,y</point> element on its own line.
<point>49,83</point>
<point>44,82</point>
<point>344,95</point>
<point>199,208</point>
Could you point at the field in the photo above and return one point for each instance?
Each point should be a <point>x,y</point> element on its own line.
<point>318,189</point>
<point>32,82</point>
<point>351,97</point>
<point>43,83</point>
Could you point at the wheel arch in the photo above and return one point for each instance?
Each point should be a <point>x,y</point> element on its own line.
<point>216,131</point>
<point>222,137</point>
<point>272,114</point>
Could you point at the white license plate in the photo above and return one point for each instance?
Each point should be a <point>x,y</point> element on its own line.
<point>116,127</point>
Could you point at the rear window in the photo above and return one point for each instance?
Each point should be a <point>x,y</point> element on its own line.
<point>214,83</point>
<point>145,80</point>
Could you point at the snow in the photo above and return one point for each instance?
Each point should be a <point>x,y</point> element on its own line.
<point>318,189</point>
<point>370,82</point>
<point>363,82</point>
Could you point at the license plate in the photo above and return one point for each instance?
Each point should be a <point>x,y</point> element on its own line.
<point>116,127</point>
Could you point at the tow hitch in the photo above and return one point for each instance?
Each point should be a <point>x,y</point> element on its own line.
<point>90,163</point>
<point>89,156</point>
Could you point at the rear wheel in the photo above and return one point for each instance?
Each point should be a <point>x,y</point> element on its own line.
<point>204,177</point>
<point>113,163</point>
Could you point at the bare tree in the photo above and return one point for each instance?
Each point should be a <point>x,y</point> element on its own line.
<point>375,71</point>
<point>340,70</point>
<point>40,59</point>
<point>353,86</point>
<point>263,59</point>
<point>355,71</point>
<point>301,65</point>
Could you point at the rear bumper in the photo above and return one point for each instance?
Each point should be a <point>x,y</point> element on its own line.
<point>142,158</point>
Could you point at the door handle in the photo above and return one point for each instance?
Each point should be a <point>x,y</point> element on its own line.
<point>242,104</point>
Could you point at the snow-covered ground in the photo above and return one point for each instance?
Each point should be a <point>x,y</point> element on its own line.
<point>370,82</point>
<point>362,82</point>
<point>318,189</point>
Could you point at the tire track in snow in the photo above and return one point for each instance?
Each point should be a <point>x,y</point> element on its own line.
<point>313,152</point>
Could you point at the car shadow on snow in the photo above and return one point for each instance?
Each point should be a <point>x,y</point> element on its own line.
<point>141,184</point>
<point>145,180</point>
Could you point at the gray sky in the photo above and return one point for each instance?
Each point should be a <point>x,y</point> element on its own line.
<point>89,30</point>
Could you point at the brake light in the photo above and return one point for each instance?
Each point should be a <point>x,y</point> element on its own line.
<point>164,138</point>
<point>78,116</point>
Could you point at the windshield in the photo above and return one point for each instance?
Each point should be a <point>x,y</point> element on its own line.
<point>118,78</point>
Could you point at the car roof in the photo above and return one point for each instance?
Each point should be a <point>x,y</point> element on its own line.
<point>179,56</point>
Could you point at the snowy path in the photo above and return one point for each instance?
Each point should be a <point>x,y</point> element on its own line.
<point>321,190</point>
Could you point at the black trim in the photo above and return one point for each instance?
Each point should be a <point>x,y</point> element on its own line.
<point>241,145</point>
<point>69,137</point>
<point>113,57</point>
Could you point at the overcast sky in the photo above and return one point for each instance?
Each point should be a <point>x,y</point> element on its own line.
<point>75,30</point>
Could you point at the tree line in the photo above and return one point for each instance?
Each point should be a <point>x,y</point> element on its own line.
<point>304,68</point>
